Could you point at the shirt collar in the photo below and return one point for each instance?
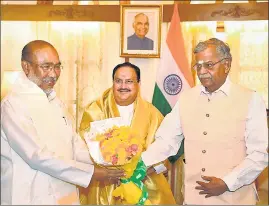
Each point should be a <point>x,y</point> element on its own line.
<point>130,106</point>
<point>225,88</point>
<point>51,95</point>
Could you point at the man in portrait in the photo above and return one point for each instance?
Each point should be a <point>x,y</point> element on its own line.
<point>139,41</point>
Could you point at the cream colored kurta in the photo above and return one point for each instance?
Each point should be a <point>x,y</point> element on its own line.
<point>225,136</point>
<point>216,145</point>
<point>39,160</point>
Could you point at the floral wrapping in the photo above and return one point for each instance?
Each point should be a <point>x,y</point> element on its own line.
<point>112,144</point>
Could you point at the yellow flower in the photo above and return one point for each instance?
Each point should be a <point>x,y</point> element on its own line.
<point>121,147</point>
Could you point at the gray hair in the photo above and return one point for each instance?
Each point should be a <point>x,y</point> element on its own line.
<point>140,14</point>
<point>223,49</point>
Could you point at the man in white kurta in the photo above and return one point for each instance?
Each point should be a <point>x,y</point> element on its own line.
<point>42,158</point>
<point>225,131</point>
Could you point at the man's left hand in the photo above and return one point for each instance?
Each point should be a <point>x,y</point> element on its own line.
<point>214,187</point>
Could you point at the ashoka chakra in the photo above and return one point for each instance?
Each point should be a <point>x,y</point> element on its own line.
<point>172,84</point>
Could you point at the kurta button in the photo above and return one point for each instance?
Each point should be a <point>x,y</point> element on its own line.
<point>203,151</point>
<point>205,133</point>
<point>203,169</point>
<point>207,115</point>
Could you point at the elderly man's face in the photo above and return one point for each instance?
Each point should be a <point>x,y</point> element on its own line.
<point>44,68</point>
<point>141,26</point>
<point>125,86</point>
<point>212,79</point>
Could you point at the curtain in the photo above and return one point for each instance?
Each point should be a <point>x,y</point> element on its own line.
<point>249,48</point>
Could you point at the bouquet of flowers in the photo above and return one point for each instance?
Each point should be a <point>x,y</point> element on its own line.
<point>113,144</point>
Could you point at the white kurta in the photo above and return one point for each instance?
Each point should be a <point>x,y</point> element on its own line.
<point>42,158</point>
<point>126,113</point>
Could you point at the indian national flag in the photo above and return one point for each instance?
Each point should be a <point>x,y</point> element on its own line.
<point>174,73</point>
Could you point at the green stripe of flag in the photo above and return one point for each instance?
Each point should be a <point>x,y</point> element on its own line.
<point>160,102</point>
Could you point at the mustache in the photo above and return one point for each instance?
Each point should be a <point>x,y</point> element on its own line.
<point>124,90</point>
<point>49,79</point>
<point>204,76</point>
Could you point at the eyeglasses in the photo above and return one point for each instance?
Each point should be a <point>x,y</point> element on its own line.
<point>207,65</point>
<point>47,67</point>
<point>127,82</point>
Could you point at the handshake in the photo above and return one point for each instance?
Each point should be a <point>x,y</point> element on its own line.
<point>103,174</point>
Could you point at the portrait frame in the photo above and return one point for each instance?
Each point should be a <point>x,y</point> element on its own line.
<point>152,35</point>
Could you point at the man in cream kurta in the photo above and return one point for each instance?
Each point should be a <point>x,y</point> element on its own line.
<point>225,131</point>
<point>42,158</point>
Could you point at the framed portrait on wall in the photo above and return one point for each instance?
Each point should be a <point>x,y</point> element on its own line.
<point>140,31</point>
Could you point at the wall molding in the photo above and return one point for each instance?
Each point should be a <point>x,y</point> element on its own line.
<point>111,13</point>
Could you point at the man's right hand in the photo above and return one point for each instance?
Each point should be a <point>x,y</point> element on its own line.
<point>150,170</point>
<point>104,174</point>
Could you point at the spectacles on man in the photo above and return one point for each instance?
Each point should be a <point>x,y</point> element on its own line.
<point>207,65</point>
<point>47,67</point>
<point>127,81</point>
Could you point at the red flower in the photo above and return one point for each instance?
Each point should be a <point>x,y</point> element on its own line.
<point>114,159</point>
<point>134,147</point>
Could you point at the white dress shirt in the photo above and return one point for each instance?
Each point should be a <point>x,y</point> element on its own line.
<point>169,137</point>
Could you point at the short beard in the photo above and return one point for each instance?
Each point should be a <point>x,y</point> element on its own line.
<point>32,77</point>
